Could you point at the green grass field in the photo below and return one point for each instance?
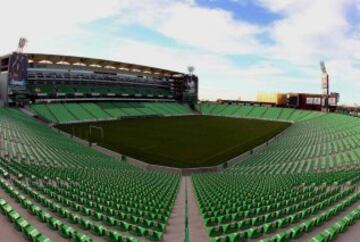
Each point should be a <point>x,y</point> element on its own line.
<point>191,141</point>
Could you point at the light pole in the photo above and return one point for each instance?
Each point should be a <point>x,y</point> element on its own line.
<point>190,88</point>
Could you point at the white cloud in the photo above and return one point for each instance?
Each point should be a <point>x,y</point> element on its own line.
<point>309,31</point>
<point>45,21</point>
<point>214,30</point>
<point>314,30</point>
<point>219,77</point>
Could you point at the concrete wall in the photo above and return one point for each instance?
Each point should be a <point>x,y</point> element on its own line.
<point>3,88</point>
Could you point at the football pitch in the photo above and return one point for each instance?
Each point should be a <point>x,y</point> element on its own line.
<point>186,141</point>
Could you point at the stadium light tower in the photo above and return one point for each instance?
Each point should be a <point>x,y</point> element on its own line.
<point>21,45</point>
<point>324,87</point>
<point>191,70</point>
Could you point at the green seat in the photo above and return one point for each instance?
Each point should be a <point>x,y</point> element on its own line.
<point>265,240</point>
<point>281,223</point>
<point>297,231</point>
<point>99,230</point>
<point>332,232</point>
<point>80,237</point>
<point>155,225</point>
<point>42,238</point>
<point>295,218</point>
<point>34,210</point>
<point>253,233</point>
<point>44,216</point>
<point>236,237</point>
<point>309,225</point>
<point>85,224</point>
<point>114,236</point>
<point>54,223</point>
<point>124,226</point>
<point>6,209</point>
<point>137,230</point>
<point>73,218</point>
<point>153,235</point>
<point>2,202</point>
<point>97,216</point>
<point>269,227</point>
<point>85,211</point>
<point>322,237</point>
<point>21,224</point>
<point>31,233</point>
<point>110,221</point>
<point>26,203</point>
<point>230,228</point>
<point>320,219</point>
<point>282,237</point>
<point>64,213</point>
<point>66,231</point>
<point>244,224</point>
<point>13,216</point>
<point>215,231</point>
<point>342,224</point>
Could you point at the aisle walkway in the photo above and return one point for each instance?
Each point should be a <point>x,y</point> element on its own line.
<point>196,225</point>
<point>176,224</point>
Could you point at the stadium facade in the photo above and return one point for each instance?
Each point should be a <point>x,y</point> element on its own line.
<point>36,78</point>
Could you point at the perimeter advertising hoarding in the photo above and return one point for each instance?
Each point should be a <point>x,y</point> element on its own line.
<point>17,76</point>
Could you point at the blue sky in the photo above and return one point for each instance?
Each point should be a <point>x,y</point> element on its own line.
<point>238,47</point>
<point>246,10</point>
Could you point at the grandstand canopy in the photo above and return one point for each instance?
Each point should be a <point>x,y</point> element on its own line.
<point>100,63</point>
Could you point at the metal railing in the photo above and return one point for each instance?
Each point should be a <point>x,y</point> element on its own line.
<point>186,234</point>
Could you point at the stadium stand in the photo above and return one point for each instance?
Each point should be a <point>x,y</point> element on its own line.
<point>304,185</point>
<point>106,110</point>
<point>340,226</point>
<point>61,113</point>
<point>272,113</point>
<point>250,206</point>
<point>302,181</point>
<point>42,90</point>
<point>29,231</point>
<point>77,112</point>
<point>95,90</point>
<point>95,110</point>
<point>299,182</point>
<point>249,111</point>
<point>310,145</point>
<point>78,192</point>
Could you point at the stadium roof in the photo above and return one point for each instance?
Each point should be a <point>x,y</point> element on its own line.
<point>100,63</point>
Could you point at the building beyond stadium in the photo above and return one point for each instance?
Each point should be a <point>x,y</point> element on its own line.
<point>37,78</point>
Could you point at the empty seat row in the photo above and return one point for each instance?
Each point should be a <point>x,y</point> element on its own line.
<point>22,225</point>
<point>95,192</point>
<point>69,112</point>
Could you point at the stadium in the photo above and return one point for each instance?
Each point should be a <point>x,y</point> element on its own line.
<point>102,150</point>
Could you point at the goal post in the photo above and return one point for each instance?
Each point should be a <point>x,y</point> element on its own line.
<point>94,127</point>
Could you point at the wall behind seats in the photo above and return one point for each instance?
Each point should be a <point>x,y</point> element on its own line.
<point>3,88</point>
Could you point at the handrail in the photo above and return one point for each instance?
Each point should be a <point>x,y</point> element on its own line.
<point>187,234</point>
